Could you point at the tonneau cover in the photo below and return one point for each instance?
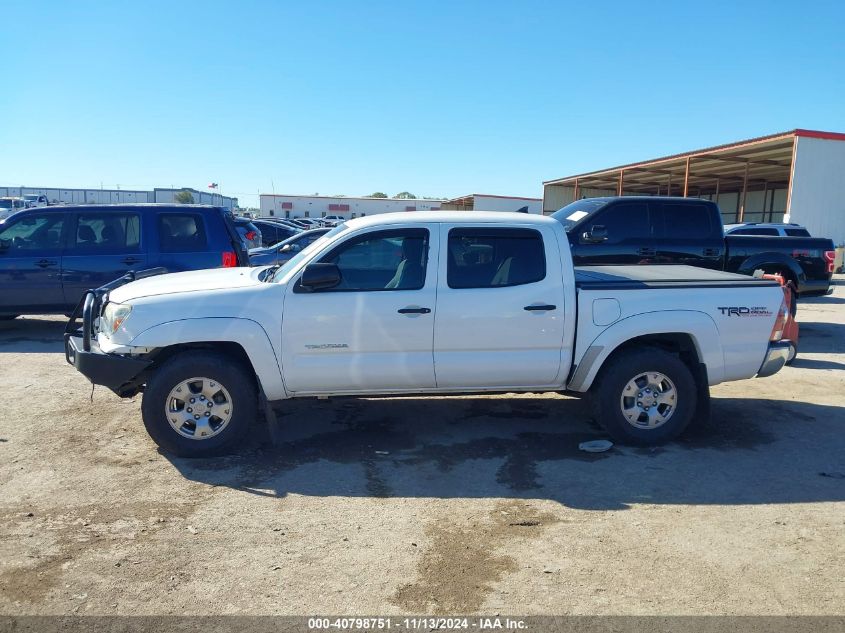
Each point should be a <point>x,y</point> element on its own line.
<point>660,276</point>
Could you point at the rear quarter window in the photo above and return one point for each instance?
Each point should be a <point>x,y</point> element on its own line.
<point>181,233</point>
<point>798,232</point>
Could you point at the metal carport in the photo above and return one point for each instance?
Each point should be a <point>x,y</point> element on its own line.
<point>752,180</point>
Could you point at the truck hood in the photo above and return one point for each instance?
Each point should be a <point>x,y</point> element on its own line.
<point>192,281</point>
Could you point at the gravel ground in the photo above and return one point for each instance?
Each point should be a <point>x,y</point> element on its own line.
<point>425,505</point>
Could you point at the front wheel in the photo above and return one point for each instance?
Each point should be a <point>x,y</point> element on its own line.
<point>199,404</point>
<point>645,397</point>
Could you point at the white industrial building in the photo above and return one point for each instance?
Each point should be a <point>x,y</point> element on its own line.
<point>489,202</point>
<point>792,176</point>
<point>118,196</point>
<point>288,206</point>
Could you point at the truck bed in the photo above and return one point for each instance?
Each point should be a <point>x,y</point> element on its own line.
<point>660,276</point>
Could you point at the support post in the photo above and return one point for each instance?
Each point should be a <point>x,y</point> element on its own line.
<point>765,195</point>
<point>686,179</point>
<point>669,189</point>
<point>772,206</point>
<point>787,214</point>
<point>621,182</point>
<point>744,194</point>
<point>576,190</point>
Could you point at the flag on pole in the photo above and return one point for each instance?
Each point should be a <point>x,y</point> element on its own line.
<point>212,185</point>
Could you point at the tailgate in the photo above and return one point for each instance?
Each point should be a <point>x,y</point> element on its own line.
<point>237,243</point>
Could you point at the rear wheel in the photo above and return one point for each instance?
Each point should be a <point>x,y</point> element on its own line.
<point>199,404</point>
<point>645,397</point>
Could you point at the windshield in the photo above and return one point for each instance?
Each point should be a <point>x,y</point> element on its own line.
<point>294,261</point>
<point>576,211</point>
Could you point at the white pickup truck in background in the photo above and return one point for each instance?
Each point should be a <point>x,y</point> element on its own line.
<point>427,302</point>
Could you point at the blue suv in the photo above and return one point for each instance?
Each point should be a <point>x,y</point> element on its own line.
<point>49,256</point>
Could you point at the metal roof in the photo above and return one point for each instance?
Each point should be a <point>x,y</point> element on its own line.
<point>765,159</point>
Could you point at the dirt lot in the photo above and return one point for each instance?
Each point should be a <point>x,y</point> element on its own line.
<point>436,505</point>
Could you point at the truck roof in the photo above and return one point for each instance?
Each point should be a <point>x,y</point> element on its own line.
<point>58,208</point>
<point>420,217</point>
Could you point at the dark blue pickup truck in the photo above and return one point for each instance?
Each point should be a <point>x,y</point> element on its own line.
<point>664,230</point>
<point>49,256</point>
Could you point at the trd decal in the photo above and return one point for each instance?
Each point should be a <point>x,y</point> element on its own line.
<point>327,346</point>
<point>744,311</point>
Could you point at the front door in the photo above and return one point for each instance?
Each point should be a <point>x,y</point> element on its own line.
<point>500,313</point>
<point>30,263</point>
<point>629,236</point>
<point>373,332</point>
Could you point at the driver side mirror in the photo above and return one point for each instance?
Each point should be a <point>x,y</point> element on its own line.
<point>595,235</point>
<point>289,248</point>
<point>320,276</point>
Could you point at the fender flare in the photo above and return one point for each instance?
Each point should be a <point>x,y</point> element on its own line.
<point>698,325</point>
<point>772,260</point>
<point>244,332</point>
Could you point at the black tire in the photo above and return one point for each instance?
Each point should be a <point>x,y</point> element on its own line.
<point>227,372</point>
<point>625,366</point>
<point>793,352</point>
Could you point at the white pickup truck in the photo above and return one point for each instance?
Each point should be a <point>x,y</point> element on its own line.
<point>426,302</point>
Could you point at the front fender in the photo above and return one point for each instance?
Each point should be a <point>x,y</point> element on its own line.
<point>244,332</point>
<point>699,325</point>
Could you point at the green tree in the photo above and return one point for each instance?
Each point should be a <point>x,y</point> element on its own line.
<point>405,195</point>
<point>377,194</point>
<point>184,197</point>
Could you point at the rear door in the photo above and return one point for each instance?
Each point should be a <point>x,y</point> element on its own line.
<point>629,236</point>
<point>500,308</point>
<point>101,246</point>
<point>688,233</point>
<point>30,263</point>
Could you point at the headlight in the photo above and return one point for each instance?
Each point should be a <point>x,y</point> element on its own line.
<point>113,317</point>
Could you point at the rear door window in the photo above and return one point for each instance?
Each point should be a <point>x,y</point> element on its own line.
<point>492,257</point>
<point>181,233</point>
<point>687,221</point>
<point>108,232</point>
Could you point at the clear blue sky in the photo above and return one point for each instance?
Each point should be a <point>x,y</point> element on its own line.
<point>438,98</point>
